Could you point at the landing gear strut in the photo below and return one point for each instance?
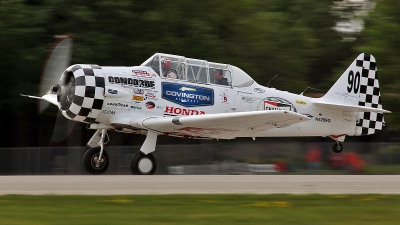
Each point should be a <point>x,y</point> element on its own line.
<point>96,160</point>
<point>337,148</point>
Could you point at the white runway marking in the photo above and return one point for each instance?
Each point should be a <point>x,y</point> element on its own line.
<point>200,184</point>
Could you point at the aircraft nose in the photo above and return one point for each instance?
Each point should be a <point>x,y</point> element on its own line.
<point>81,92</point>
<point>67,90</point>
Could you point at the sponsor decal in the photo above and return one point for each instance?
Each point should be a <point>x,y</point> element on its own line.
<point>307,114</point>
<point>321,119</point>
<point>136,107</point>
<point>346,95</point>
<point>224,97</point>
<point>117,104</point>
<point>137,98</point>
<point>300,102</point>
<point>131,82</point>
<point>138,91</point>
<point>150,95</point>
<point>125,86</point>
<point>243,92</point>
<point>276,103</point>
<point>112,91</point>
<point>105,111</point>
<point>150,105</point>
<point>259,90</point>
<point>248,99</point>
<point>187,95</point>
<point>141,73</point>
<point>172,111</point>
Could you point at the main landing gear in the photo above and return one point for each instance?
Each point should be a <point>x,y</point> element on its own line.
<point>96,160</point>
<point>143,162</point>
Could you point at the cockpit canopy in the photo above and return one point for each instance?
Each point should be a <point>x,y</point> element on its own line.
<point>196,70</point>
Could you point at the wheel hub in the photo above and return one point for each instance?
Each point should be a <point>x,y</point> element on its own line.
<point>145,165</point>
<point>97,163</point>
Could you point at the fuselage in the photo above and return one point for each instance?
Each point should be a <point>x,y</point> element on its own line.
<point>135,93</point>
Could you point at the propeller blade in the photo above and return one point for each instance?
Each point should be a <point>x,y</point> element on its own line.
<point>62,130</point>
<point>57,61</point>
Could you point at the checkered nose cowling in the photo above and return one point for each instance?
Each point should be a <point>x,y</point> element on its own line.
<point>82,93</point>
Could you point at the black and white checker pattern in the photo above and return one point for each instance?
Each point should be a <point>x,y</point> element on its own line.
<point>89,93</point>
<point>368,122</point>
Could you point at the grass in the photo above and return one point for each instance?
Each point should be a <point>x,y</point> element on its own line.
<point>201,209</point>
<point>382,169</point>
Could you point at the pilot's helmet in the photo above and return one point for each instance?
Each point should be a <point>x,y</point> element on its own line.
<point>219,72</point>
<point>165,62</point>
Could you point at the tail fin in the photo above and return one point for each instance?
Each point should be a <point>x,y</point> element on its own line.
<point>359,86</point>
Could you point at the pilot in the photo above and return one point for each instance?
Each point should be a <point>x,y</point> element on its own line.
<point>219,77</point>
<point>167,71</point>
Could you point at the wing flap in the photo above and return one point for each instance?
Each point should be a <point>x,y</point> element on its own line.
<point>223,125</point>
<point>348,108</point>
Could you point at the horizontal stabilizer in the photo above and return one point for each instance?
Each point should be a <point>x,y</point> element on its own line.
<point>223,125</point>
<point>348,108</point>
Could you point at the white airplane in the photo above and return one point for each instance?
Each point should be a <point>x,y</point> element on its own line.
<point>190,98</point>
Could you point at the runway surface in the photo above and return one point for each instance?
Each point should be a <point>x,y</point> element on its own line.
<point>200,184</point>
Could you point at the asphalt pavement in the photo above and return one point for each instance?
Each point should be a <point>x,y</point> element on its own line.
<point>200,184</point>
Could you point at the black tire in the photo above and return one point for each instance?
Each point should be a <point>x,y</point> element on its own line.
<point>148,162</point>
<point>337,148</point>
<point>90,158</point>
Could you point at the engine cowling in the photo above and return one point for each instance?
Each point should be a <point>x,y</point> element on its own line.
<point>81,92</point>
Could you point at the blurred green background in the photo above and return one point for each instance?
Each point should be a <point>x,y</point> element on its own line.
<point>308,43</point>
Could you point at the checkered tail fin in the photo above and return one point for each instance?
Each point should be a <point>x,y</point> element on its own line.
<point>370,96</point>
<point>358,90</point>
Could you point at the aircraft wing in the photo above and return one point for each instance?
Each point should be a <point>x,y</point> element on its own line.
<point>348,108</point>
<point>223,125</point>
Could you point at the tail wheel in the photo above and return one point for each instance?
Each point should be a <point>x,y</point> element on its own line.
<point>142,164</point>
<point>92,163</point>
<point>337,148</point>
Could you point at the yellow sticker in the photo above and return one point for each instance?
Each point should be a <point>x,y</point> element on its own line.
<point>137,98</point>
<point>300,102</point>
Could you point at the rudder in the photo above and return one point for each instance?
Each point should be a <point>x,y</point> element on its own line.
<point>370,96</point>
